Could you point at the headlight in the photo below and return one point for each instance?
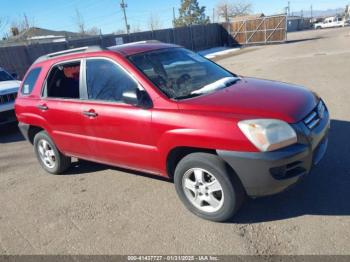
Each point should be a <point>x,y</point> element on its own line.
<point>268,134</point>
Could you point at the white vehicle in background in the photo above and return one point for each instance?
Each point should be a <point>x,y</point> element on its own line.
<point>8,93</point>
<point>331,22</point>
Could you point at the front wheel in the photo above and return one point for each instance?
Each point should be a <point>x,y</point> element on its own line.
<point>49,157</point>
<point>207,187</point>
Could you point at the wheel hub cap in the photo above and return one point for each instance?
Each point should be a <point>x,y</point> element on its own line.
<point>203,190</point>
<point>46,153</point>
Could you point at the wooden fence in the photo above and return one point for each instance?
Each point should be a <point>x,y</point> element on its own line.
<point>17,58</point>
<point>262,30</point>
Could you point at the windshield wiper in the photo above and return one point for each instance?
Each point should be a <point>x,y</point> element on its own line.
<point>232,82</point>
<point>186,96</point>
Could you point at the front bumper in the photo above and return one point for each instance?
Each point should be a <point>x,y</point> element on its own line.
<point>268,173</point>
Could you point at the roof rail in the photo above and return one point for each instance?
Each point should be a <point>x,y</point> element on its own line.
<point>84,49</point>
<point>135,43</point>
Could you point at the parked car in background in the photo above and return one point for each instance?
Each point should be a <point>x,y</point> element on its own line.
<point>8,93</point>
<point>162,109</point>
<point>330,22</point>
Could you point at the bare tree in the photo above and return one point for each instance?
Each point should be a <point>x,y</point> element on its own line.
<point>79,21</point>
<point>3,25</point>
<point>18,26</point>
<point>154,22</point>
<point>227,10</point>
<point>136,28</point>
<point>119,32</point>
<point>82,28</point>
<point>93,31</point>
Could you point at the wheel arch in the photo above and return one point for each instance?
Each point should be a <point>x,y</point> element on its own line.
<point>176,154</point>
<point>32,131</point>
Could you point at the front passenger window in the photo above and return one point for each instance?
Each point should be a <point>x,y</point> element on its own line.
<point>106,81</point>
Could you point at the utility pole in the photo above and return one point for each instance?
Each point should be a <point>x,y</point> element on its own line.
<point>311,11</point>
<point>124,6</point>
<point>213,21</point>
<point>174,18</point>
<point>226,14</point>
<point>288,8</point>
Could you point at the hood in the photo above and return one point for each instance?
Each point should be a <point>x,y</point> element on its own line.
<point>9,86</point>
<point>257,98</point>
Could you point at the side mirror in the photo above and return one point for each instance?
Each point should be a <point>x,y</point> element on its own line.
<point>137,98</point>
<point>15,76</point>
<point>130,97</point>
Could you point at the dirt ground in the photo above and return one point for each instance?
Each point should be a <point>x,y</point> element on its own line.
<point>97,209</point>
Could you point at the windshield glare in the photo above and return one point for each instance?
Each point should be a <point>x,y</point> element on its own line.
<point>4,76</point>
<point>180,73</point>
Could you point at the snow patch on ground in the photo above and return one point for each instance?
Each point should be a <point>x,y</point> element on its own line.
<point>217,51</point>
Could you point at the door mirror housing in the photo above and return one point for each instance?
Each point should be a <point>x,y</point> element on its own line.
<point>138,98</point>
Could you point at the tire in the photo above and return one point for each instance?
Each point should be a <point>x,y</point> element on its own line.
<point>49,157</point>
<point>225,202</point>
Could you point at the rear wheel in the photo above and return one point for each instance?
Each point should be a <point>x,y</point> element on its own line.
<point>49,157</point>
<point>207,187</point>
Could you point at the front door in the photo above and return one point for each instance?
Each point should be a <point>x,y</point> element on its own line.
<point>120,133</point>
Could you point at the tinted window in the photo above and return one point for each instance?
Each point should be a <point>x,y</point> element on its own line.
<point>63,81</point>
<point>106,81</point>
<point>4,76</point>
<point>30,81</point>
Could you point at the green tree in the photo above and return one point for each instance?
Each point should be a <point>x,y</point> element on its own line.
<point>190,13</point>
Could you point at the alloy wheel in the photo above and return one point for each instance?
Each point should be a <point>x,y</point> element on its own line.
<point>203,190</point>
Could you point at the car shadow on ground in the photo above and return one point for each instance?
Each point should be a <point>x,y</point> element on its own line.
<point>83,167</point>
<point>325,191</point>
<point>10,133</point>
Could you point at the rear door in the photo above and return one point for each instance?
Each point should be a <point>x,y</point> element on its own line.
<point>61,107</point>
<point>120,133</point>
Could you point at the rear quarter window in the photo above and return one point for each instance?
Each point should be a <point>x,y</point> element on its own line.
<point>30,80</point>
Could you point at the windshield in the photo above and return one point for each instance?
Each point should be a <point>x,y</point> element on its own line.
<point>181,74</point>
<point>4,76</point>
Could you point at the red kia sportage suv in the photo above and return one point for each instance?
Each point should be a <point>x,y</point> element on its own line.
<point>162,109</point>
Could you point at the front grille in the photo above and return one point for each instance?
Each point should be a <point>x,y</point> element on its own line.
<point>315,116</point>
<point>8,98</point>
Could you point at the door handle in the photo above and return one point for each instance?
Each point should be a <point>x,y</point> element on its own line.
<point>42,107</point>
<point>90,113</point>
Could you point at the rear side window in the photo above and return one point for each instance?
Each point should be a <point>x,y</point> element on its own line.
<point>63,81</point>
<point>30,81</point>
<point>106,81</point>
